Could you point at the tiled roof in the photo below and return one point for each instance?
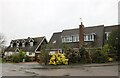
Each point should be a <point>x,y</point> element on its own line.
<point>27,47</point>
<point>55,40</point>
<point>98,30</point>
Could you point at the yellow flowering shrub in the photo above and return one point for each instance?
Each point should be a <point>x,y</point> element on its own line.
<point>58,59</point>
<point>110,59</point>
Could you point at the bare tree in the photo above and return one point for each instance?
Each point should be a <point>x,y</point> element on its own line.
<point>2,40</point>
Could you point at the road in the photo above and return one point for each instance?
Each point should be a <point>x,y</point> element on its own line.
<point>9,69</point>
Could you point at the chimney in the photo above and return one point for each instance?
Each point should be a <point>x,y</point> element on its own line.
<point>81,35</point>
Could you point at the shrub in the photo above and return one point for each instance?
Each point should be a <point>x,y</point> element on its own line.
<point>44,56</point>
<point>15,58</point>
<point>27,59</point>
<point>58,59</point>
<point>82,55</point>
<point>99,57</point>
<point>21,56</point>
<point>72,55</point>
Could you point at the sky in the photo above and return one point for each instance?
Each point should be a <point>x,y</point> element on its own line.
<point>35,18</point>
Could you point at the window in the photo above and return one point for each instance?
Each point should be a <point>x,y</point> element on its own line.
<point>84,37</point>
<point>67,39</point>
<point>23,44</point>
<point>17,44</point>
<point>73,39</point>
<point>77,38</point>
<point>31,44</point>
<point>54,42</point>
<point>107,35</point>
<point>11,45</point>
<point>89,37</point>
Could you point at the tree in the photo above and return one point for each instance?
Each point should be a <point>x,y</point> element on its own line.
<point>44,55</point>
<point>2,40</point>
<point>21,55</point>
<point>114,41</point>
<point>2,43</point>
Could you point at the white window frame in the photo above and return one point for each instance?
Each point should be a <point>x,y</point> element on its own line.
<point>71,38</point>
<point>23,44</point>
<point>107,35</point>
<point>31,44</point>
<point>89,37</point>
<point>11,45</point>
<point>17,44</point>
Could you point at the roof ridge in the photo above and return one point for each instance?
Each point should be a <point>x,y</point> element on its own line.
<point>27,38</point>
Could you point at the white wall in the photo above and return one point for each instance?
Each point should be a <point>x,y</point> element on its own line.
<point>8,53</point>
<point>27,53</point>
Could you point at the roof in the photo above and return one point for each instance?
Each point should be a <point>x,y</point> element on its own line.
<point>99,30</point>
<point>111,28</point>
<point>27,48</point>
<point>76,30</point>
<point>55,40</point>
<point>70,32</point>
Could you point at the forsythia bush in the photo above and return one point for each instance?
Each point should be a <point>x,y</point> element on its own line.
<point>58,59</point>
<point>110,59</point>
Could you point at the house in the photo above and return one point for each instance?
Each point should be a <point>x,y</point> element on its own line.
<point>94,37</point>
<point>31,46</point>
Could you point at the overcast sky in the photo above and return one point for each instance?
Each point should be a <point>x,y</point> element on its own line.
<point>35,18</point>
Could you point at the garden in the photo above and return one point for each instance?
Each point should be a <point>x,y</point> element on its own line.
<point>83,56</point>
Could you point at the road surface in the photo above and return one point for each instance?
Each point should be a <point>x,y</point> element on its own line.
<point>9,69</point>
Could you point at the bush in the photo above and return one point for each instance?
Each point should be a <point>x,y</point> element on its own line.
<point>99,57</point>
<point>15,58</point>
<point>82,55</point>
<point>21,56</point>
<point>27,59</point>
<point>58,59</point>
<point>3,60</point>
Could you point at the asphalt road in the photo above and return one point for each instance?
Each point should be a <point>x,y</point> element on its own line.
<point>9,69</point>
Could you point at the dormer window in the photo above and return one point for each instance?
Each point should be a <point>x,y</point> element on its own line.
<point>11,45</point>
<point>54,42</point>
<point>17,43</point>
<point>107,35</point>
<point>31,41</point>
<point>23,43</point>
<point>89,37</point>
<point>31,44</point>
